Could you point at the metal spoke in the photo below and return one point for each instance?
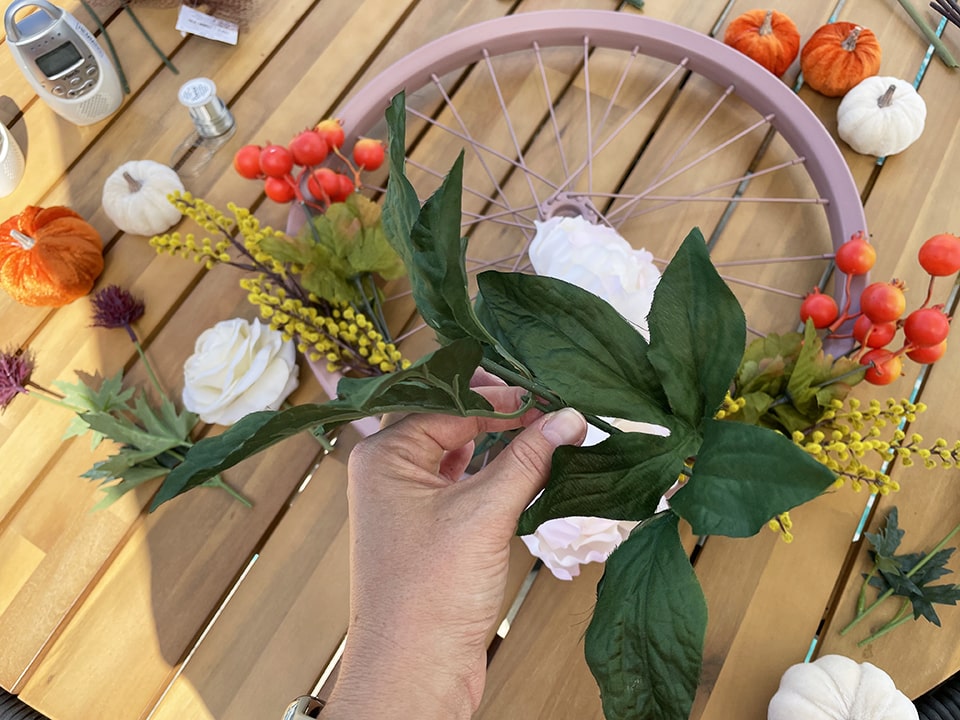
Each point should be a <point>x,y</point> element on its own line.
<point>553,114</point>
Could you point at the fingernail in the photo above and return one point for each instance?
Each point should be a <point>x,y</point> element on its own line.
<point>564,427</point>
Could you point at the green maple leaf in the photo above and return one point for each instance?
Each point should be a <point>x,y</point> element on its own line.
<point>93,396</point>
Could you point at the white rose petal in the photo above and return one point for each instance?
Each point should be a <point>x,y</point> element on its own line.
<point>565,544</point>
<point>597,259</point>
<point>237,368</point>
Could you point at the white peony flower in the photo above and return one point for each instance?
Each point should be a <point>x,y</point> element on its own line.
<point>238,367</point>
<point>565,544</point>
<point>597,259</point>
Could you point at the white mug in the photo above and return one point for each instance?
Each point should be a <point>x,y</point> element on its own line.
<point>11,162</point>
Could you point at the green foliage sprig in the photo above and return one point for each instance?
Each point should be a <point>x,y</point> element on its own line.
<point>645,642</point>
<point>909,576</point>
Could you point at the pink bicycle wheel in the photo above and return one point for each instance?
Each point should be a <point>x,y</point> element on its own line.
<point>636,123</point>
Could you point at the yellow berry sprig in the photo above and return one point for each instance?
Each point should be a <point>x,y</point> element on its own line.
<point>328,330</point>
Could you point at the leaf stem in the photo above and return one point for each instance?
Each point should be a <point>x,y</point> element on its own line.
<point>932,36</point>
<point>146,364</point>
<point>217,482</point>
<point>902,616</point>
<point>923,561</point>
<point>553,401</point>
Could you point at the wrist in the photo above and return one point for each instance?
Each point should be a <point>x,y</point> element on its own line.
<point>380,684</point>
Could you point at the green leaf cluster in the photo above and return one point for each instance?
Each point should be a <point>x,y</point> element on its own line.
<point>151,440</point>
<point>336,248</point>
<point>910,575</point>
<point>569,348</point>
<point>787,381</point>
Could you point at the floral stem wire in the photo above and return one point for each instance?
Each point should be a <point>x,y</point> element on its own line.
<point>143,31</point>
<point>113,52</point>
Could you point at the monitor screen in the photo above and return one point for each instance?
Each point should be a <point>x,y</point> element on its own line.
<point>59,60</point>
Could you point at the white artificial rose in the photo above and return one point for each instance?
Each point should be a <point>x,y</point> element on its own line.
<point>597,259</point>
<point>237,368</point>
<point>564,544</point>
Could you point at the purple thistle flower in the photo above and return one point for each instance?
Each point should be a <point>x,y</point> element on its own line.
<point>15,372</point>
<point>115,307</point>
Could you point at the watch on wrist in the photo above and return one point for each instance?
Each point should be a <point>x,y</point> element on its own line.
<point>303,708</point>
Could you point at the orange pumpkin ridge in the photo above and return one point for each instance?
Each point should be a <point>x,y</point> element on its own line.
<point>49,256</point>
<point>838,56</point>
<point>767,37</point>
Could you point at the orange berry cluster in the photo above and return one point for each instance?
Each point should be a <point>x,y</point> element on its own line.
<point>882,309</point>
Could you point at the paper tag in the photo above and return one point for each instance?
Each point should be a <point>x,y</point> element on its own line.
<point>198,23</point>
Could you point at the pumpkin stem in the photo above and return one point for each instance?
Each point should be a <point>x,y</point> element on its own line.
<point>767,27</point>
<point>134,184</point>
<point>850,44</point>
<point>886,100</point>
<point>26,242</point>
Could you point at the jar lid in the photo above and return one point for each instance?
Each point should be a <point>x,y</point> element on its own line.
<point>197,92</point>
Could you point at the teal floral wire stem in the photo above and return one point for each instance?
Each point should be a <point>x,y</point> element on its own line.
<point>143,31</point>
<point>113,51</point>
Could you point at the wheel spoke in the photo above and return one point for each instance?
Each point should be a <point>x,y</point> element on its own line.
<point>616,91</point>
<point>553,114</point>
<point>641,106</point>
<point>521,163</point>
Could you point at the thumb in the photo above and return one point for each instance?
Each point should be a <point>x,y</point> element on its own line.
<point>513,479</point>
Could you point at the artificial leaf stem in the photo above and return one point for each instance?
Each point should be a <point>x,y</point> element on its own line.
<point>932,36</point>
<point>916,568</point>
<point>902,616</point>
<point>553,401</point>
<point>146,364</point>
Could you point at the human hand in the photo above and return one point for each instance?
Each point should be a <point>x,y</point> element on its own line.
<point>429,556</point>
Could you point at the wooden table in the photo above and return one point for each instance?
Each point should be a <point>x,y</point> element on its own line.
<point>205,609</point>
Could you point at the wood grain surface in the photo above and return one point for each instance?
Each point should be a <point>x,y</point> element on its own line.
<point>210,611</point>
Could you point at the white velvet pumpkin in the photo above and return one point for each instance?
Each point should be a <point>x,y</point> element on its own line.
<point>881,116</point>
<point>135,197</point>
<point>835,687</point>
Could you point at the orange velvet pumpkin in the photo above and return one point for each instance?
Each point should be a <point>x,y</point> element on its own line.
<point>838,56</point>
<point>767,37</point>
<point>49,256</point>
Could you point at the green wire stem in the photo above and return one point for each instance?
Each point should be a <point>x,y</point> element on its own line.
<point>113,51</point>
<point>143,31</point>
<point>934,39</point>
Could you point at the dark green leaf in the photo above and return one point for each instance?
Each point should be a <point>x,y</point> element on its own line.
<point>125,433</point>
<point>440,382</point>
<point>621,478</point>
<point>697,332</point>
<point>887,539</point>
<point>940,594</point>
<point>743,476</point>
<point>638,4</point>
<point>401,205</point>
<point>575,344</point>
<point>645,642</point>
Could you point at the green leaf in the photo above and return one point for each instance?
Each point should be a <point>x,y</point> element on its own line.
<point>126,433</point>
<point>621,478</point>
<point>575,344</point>
<point>645,642</point>
<point>697,332</point>
<point>888,538</point>
<point>440,382</point>
<point>401,205</point>
<point>437,383</point>
<point>743,476</point>
<point>132,478</point>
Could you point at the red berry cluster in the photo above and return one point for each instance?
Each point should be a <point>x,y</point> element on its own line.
<point>882,308</point>
<point>275,165</point>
